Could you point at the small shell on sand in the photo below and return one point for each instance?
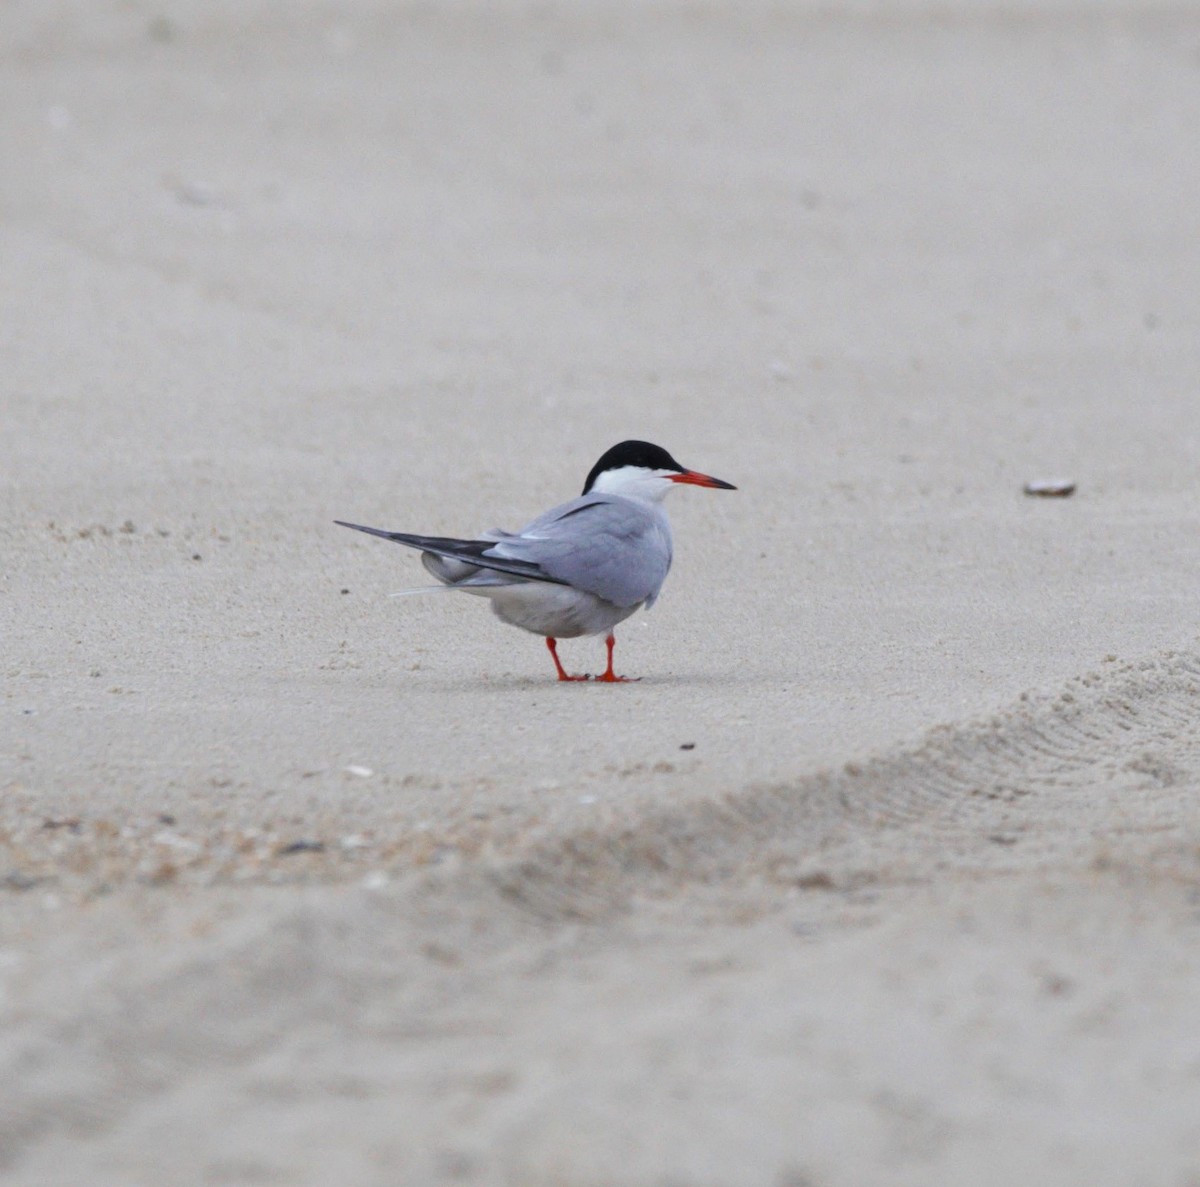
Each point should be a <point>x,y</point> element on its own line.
<point>1050,488</point>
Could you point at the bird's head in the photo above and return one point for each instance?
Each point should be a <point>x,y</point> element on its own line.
<point>639,470</point>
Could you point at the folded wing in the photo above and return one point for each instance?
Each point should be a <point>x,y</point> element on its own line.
<point>616,548</point>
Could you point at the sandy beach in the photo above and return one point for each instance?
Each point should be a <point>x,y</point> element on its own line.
<point>887,870</point>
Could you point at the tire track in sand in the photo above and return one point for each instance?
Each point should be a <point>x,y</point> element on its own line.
<point>1104,769</point>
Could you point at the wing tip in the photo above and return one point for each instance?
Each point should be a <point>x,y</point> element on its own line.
<point>359,527</point>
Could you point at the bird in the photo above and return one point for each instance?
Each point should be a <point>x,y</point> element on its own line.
<point>580,568</point>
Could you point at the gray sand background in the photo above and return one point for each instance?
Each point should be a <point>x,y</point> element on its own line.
<point>919,903</point>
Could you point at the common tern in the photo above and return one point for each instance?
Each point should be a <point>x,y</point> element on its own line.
<point>580,568</point>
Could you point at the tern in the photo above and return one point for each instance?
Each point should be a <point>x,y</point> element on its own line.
<point>580,568</point>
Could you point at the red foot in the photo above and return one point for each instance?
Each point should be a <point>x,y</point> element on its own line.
<point>610,677</point>
<point>562,672</point>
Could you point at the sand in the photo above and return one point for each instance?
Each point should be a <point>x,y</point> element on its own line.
<point>886,871</point>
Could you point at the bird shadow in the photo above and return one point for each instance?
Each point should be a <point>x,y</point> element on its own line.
<point>486,683</point>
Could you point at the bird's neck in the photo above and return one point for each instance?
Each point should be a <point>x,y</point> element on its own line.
<point>633,482</point>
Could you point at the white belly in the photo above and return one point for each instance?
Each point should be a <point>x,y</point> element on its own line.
<point>557,611</point>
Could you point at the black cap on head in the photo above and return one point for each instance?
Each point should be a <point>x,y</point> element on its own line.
<point>632,453</point>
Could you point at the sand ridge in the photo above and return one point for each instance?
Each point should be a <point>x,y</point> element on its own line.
<point>1021,790</point>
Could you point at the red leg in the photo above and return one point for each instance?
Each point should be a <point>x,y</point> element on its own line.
<point>562,674</point>
<point>610,677</point>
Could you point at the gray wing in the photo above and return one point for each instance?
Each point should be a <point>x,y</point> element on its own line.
<point>616,548</point>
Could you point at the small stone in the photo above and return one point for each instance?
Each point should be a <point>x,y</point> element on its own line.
<point>19,880</point>
<point>194,195</point>
<point>67,822</point>
<point>161,29</point>
<point>175,841</point>
<point>1050,488</point>
<point>301,846</point>
<point>816,880</point>
<point>1057,985</point>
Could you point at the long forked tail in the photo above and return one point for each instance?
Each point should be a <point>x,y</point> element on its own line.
<point>398,537</point>
<point>470,552</point>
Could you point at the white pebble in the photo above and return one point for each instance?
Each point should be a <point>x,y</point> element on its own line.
<point>175,841</point>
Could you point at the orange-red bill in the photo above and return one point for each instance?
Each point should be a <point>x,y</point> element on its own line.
<point>693,478</point>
